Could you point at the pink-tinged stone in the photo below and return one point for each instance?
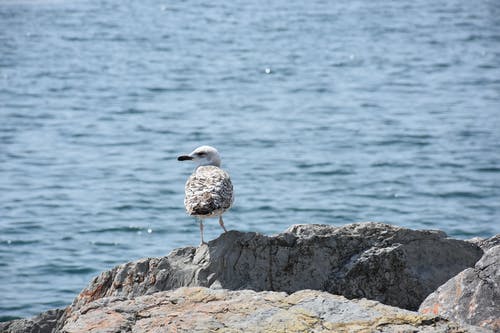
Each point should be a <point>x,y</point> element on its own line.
<point>472,297</point>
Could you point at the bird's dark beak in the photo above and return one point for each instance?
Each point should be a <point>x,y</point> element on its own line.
<point>184,158</point>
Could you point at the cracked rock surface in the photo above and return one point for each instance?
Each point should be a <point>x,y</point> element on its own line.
<point>198,309</point>
<point>241,282</point>
<point>393,265</point>
<point>471,297</point>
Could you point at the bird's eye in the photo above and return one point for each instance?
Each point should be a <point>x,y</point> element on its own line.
<point>202,154</point>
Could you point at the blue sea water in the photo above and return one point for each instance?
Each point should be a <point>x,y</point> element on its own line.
<point>323,111</point>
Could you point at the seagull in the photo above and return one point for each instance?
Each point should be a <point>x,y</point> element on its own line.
<point>209,190</point>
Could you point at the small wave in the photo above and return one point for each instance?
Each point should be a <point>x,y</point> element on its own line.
<point>488,169</point>
<point>30,116</point>
<point>461,194</point>
<point>397,142</point>
<point>123,143</point>
<point>14,242</point>
<point>310,210</point>
<point>390,165</point>
<point>140,206</point>
<point>145,129</point>
<point>128,229</point>
<point>454,195</point>
<point>105,244</point>
<point>370,105</point>
<point>181,88</point>
<point>450,165</point>
<point>75,39</point>
<point>312,165</point>
<point>67,269</point>
<point>129,111</point>
<point>336,172</point>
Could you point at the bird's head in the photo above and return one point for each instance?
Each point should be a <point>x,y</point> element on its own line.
<point>204,155</point>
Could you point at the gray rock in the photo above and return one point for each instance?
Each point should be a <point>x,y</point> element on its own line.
<point>45,322</point>
<point>393,265</point>
<point>198,309</point>
<point>486,243</point>
<point>471,297</point>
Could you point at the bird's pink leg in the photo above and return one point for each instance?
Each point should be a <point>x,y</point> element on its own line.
<point>201,232</point>
<point>222,223</point>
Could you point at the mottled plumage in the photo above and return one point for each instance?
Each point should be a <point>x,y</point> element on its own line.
<point>209,192</point>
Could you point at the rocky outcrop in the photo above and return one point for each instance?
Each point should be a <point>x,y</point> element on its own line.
<point>471,297</point>
<point>393,265</point>
<point>267,281</point>
<point>198,309</point>
<point>45,322</point>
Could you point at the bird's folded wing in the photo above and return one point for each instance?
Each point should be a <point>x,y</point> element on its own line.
<point>209,191</point>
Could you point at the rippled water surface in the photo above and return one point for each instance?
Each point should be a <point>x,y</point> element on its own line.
<point>324,112</point>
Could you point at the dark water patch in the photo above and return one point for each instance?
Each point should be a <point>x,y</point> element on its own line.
<point>265,208</point>
<point>305,165</point>
<point>70,292</point>
<point>402,142</point>
<point>335,172</point>
<point>319,90</point>
<point>19,242</point>
<point>127,207</point>
<point>310,210</point>
<point>468,234</point>
<point>78,135</point>
<point>119,229</point>
<point>129,111</point>
<point>451,165</point>
<point>9,318</point>
<point>488,169</point>
<point>64,269</point>
<point>117,246</point>
<point>487,66</point>
<point>480,82</point>
<point>119,143</point>
<point>389,164</point>
<point>29,226</point>
<point>165,191</point>
<point>76,39</point>
<point>370,105</point>
<point>63,89</point>
<point>27,115</point>
<point>38,163</point>
<point>104,244</point>
<point>454,195</point>
<point>264,143</point>
<point>176,89</point>
<point>441,65</point>
<point>380,196</point>
<point>146,129</point>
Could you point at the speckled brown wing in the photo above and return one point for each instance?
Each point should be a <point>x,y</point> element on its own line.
<point>209,192</point>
